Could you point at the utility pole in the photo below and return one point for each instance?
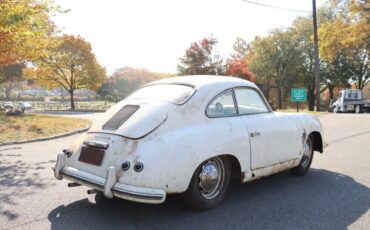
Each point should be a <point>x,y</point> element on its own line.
<point>317,70</point>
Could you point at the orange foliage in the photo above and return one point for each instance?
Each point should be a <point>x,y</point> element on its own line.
<point>238,67</point>
<point>25,29</point>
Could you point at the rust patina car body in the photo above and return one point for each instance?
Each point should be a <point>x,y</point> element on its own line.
<point>187,134</point>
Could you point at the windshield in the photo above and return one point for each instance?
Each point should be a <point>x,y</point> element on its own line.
<point>173,93</point>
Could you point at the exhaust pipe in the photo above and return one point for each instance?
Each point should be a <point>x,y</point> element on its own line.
<point>73,184</point>
<point>92,191</point>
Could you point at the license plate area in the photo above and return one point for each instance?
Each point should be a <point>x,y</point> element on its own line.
<point>92,156</point>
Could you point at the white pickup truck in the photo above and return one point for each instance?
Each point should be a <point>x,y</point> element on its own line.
<point>351,100</point>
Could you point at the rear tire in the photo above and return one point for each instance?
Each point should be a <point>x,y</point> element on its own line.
<point>100,198</point>
<point>209,184</point>
<point>306,160</point>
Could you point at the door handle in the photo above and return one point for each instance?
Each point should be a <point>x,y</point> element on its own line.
<point>254,134</point>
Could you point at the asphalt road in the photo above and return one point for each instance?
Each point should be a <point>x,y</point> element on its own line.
<point>335,194</point>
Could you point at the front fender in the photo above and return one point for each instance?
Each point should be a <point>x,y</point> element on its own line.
<point>312,126</point>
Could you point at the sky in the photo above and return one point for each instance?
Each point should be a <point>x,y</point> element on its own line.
<point>155,34</point>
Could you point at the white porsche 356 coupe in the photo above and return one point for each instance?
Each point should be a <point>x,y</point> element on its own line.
<point>188,135</point>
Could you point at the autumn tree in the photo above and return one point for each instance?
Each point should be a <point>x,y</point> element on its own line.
<point>237,65</point>
<point>9,75</point>
<point>302,33</point>
<point>200,58</point>
<point>25,29</point>
<point>71,65</point>
<point>346,39</point>
<point>285,59</point>
<point>240,48</point>
<point>126,80</point>
<point>272,59</point>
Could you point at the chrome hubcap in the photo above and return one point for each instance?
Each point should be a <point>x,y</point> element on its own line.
<point>211,178</point>
<point>307,153</point>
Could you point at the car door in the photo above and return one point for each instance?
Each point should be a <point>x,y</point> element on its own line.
<point>273,137</point>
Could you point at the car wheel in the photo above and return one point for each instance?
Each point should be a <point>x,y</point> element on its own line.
<point>357,109</point>
<point>335,109</point>
<point>306,160</point>
<point>209,184</point>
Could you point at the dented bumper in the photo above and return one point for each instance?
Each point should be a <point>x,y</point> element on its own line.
<point>108,185</point>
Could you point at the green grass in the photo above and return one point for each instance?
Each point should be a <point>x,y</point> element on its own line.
<point>30,126</point>
<point>80,105</point>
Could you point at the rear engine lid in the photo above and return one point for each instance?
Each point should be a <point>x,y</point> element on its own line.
<point>131,118</point>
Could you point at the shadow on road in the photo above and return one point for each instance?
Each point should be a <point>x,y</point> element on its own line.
<point>19,179</point>
<point>319,200</point>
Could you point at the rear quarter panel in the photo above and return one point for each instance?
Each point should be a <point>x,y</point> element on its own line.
<point>171,155</point>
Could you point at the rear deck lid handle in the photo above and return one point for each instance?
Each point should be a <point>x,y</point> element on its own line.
<point>96,144</point>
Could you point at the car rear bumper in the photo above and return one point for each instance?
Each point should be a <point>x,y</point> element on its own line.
<point>109,185</point>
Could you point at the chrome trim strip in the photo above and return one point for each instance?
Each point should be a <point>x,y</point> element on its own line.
<point>118,191</point>
<point>96,144</point>
<point>84,180</point>
<point>138,195</point>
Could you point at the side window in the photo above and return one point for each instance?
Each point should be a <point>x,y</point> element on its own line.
<point>348,95</point>
<point>249,101</point>
<point>354,94</point>
<point>222,106</point>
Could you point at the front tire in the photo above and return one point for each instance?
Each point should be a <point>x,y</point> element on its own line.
<point>306,160</point>
<point>357,109</point>
<point>209,184</point>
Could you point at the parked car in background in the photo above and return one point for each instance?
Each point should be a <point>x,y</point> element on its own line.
<point>8,105</point>
<point>25,105</point>
<point>188,136</point>
<point>351,100</point>
<point>10,110</point>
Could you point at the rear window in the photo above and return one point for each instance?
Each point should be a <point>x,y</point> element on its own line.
<point>173,93</point>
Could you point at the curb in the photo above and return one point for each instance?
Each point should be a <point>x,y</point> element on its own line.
<point>46,138</point>
<point>324,113</point>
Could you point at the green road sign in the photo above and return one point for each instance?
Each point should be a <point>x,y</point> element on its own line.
<point>298,94</point>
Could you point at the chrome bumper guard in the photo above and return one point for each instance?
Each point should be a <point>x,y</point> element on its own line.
<point>109,185</point>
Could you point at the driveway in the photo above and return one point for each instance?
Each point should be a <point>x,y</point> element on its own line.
<point>335,194</point>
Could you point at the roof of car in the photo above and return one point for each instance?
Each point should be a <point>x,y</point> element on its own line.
<point>206,80</point>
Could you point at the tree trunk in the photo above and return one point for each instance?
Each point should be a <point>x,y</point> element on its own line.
<point>311,99</point>
<point>359,85</point>
<point>62,94</point>
<point>280,103</point>
<point>8,90</point>
<point>72,100</point>
<point>268,88</point>
<point>7,93</point>
<point>285,96</point>
<point>331,92</point>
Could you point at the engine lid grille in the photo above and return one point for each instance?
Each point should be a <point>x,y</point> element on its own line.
<point>120,117</point>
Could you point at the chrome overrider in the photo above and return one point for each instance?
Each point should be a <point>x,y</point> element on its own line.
<point>109,185</point>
